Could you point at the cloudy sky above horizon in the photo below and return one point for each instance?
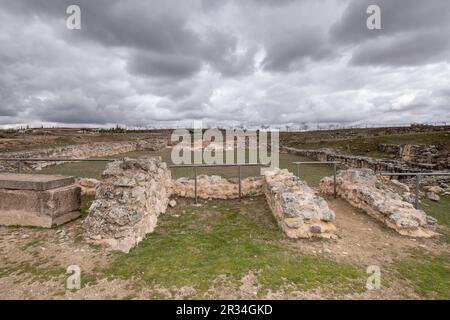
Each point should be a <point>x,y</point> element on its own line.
<point>140,63</point>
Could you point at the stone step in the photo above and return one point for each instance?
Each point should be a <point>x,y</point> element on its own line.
<point>39,182</point>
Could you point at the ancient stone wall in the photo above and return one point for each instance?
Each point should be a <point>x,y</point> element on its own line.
<point>97,149</point>
<point>216,187</point>
<point>128,201</point>
<point>349,161</point>
<point>364,190</point>
<point>299,211</point>
<point>429,154</point>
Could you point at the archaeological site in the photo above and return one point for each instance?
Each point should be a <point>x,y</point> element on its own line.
<point>123,212</point>
<point>224,159</point>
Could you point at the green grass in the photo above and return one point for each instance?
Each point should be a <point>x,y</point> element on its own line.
<point>228,238</point>
<point>36,271</point>
<point>441,211</point>
<point>92,169</point>
<point>368,146</point>
<point>429,275</point>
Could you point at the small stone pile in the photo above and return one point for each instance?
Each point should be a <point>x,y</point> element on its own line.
<point>216,187</point>
<point>87,185</point>
<point>299,211</point>
<point>364,190</point>
<point>129,199</point>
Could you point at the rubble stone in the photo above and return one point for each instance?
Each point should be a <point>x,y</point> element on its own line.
<point>363,189</point>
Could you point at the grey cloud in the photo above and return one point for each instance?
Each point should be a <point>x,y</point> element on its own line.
<point>291,46</point>
<point>407,50</point>
<point>413,32</point>
<point>157,65</point>
<point>141,62</point>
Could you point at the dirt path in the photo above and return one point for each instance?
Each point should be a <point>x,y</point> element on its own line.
<point>365,241</point>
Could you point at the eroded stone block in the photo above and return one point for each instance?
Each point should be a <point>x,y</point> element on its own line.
<point>38,200</point>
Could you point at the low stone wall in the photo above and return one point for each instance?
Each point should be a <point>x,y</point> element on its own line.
<point>364,190</point>
<point>349,161</point>
<point>98,149</point>
<point>216,187</point>
<point>128,201</point>
<point>299,211</point>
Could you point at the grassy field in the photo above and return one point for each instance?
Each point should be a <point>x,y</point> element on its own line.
<point>193,246</point>
<point>368,146</point>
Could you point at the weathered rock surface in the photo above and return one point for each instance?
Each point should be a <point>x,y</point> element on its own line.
<point>418,153</point>
<point>363,189</point>
<point>216,187</point>
<point>299,211</point>
<point>350,161</point>
<point>128,201</point>
<point>433,196</point>
<point>38,200</point>
<point>87,185</point>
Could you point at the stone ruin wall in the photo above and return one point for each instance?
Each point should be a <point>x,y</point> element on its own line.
<point>349,161</point>
<point>97,149</point>
<point>129,199</point>
<point>216,187</point>
<point>428,154</point>
<point>133,193</point>
<point>377,197</point>
<point>299,211</point>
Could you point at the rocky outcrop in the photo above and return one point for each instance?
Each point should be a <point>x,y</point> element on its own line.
<point>429,154</point>
<point>364,190</point>
<point>216,187</point>
<point>299,211</point>
<point>97,149</point>
<point>128,201</point>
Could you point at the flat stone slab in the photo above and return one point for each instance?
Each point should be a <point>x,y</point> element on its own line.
<point>39,182</point>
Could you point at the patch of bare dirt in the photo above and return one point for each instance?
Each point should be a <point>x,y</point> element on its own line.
<point>364,241</point>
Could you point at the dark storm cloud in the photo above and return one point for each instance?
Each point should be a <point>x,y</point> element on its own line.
<point>137,62</point>
<point>413,32</point>
<point>156,65</point>
<point>403,50</point>
<point>284,54</point>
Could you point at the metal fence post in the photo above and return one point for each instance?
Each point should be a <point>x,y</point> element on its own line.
<point>417,191</point>
<point>195,184</point>
<point>298,169</point>
<point>239,179</point>
<point>20,166</point>
<point>334,180</point>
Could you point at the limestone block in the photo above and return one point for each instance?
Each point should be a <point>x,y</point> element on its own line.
<point>38,200</point>
<point>299,211</point>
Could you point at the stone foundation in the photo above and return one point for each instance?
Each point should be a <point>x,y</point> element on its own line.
<point>299,211</point>
<point>97,149</point>
<point>38,200</point>
<point>215,187</point>
<point>128,201</point>
<point>364,190</point>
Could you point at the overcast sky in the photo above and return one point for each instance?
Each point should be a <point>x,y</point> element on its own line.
<point>224,61</point>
